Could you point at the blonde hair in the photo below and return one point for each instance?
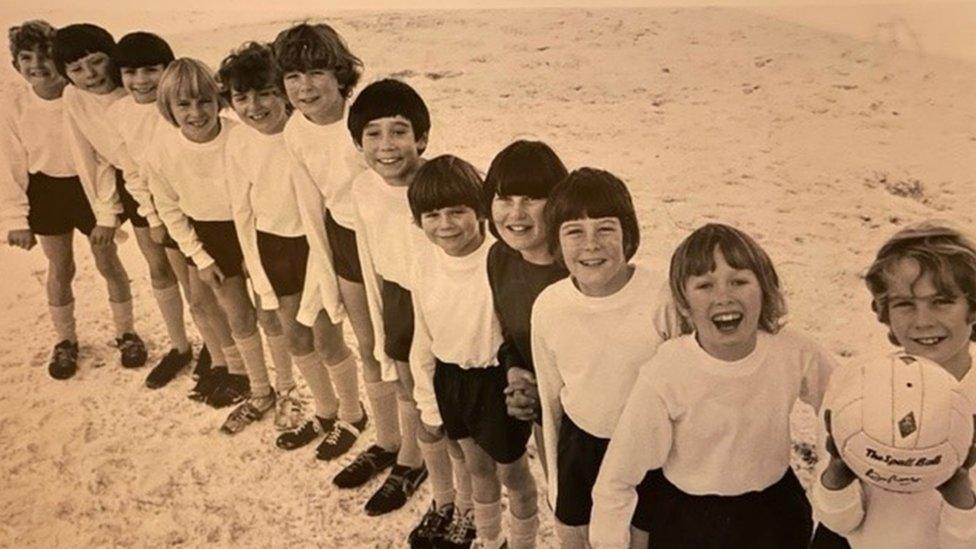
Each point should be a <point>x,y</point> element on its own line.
<point>187,77</point>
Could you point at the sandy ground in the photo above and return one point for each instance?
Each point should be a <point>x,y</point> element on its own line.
<point>819,145</point>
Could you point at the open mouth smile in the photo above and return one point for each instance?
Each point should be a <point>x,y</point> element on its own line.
<point>727,322</point>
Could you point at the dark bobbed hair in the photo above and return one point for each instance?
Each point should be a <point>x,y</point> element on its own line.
<point>591,193</point>
<point>444,182</point>
<point>305,46</point>
<point>75,41</point>
<point>250,67</point>
<point>142,49</point>
<point>385,99</point>
<point>34,35</point>
<point>941,251</point>
<point>695,256</point>
<point>524,168</point>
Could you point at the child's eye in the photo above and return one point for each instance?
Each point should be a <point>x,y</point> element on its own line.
<point>291,75</point>
<point>944,300</point>
<point>703,285</point>
<point>901,304</point>
<point>128,71</point>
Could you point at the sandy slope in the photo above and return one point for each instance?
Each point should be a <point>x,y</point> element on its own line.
<point>819,145</point>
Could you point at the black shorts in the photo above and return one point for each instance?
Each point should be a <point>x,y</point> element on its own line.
<point>825,538</point>
<point>778,517</point>
<point>284,259</point>
<point>472,405</point>
<point>397,320</point>
<point>345,255</point>
<point>219,239</point>
<point>578,458</point>
<point>57,205</point>
<point>130,208</point>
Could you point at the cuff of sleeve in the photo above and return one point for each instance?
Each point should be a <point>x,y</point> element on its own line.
<point>14,225</point>
<point>202,259</point>
<point>154,220</point>
<point>431,417</point>
<point>108,219</point>
<point>837,501</point>
<point>959,523</point>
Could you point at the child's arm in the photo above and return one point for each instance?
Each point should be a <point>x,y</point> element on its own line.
<point>13,178</point>
<point>957,520</point>
<point>422,365</point>
<point>96,174</point>
<point>641,441</point>
<point>177,223</point>
<point>550,384</point>
<point>135,179</point>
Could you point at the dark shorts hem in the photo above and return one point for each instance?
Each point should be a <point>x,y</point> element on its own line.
<point>57,205</point>
<point>345,254</point>
<point>284,259</point>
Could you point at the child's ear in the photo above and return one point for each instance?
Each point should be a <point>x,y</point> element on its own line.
<point>422,142</point>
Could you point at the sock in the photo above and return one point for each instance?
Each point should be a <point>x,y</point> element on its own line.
<point>462,482</point>
<point>317,377</point>
<point>570,536</point>
<point>488,521</point>
<point>345,379</point>
<point>383,402</point>
<point>252,351</point>
<point>281,358</point>
<point>234,361</point>
<point>171,307</point>
<point>122,317</point>
<point>409,423</point>
<point>63,318</point>
<point>439,471</point>
<point>522,531</point>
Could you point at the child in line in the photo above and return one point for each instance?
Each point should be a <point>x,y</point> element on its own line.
<point>712,410</point>
<point>261,177</point>
<point>318,74</point>
<point>923,288</point>
<point>592,229</point>
<point>390,124</point>
<point>458,382</point>
<point>520,264</point>
<point>185,173</point>
<point>141,58</point>
<point>41,197</point>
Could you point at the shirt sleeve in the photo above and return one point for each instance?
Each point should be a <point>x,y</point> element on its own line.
<point>641,441</point>
<point>422,365</point>
<point>13,171</point>
<point>818,367</point>
<point>957,527</point>
<point>96,174</point>
<point>132,172</point>
<point>177,223</point>
<point>550,384</point>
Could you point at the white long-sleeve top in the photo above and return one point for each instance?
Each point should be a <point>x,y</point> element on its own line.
<point>265,183</point>
<point>31,141</point>
<point>587,352</point>
<point>187,181</point>
<point>388,242</point>
<point>328,154</point>
<point>137,125</point>
<point>713,427</point>
<point>96,148</point>
<point>870,517</point>
<point>454,320</point>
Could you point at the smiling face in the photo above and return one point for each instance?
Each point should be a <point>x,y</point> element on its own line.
<point>265,110</point>
<point>520,221</point>
<point>593,251</point>
<point>142,82</point>
<point>455,229</point>
<point>316,94</point>
<point>92,73</point>
<point>38,69</point>
<point>197,117</point>
<point>724,306</point>
<point>392,150</point>
<point>928,322</point>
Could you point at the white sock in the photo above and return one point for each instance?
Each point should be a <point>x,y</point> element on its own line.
<point>234,360</point>
<point>488,522</point>
<point>63,318</point>
<point>409,423</point>
<point>383,402</point>
<point>171,307</point>
<point>345,379</point>
<point>281,358</point>
<point>522,531</point>
<point>252,351</point>
<point>462,482</point>
<point>122,317</point>
<point>439,469</point>
<point>317,378</point>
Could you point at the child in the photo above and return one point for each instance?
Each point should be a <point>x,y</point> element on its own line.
<point>261,176</point>
<point>520,265</point>
<point>82,53</point>
<point>41,197</point>
<point>390,124</point>
<point>923,285</point>
<point>141,58</point>
<point>185,172</point>
<point>712,410</point>
<point>592,229</point>
<point>459,384</point>
<point>318,74</point>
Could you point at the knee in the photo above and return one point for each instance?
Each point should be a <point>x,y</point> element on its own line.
<point>519,482</point>
<point>107,263</point>
<point>62,272</point>
<point>300,340</point>
<point>481,468</point>
<point>160,271</point>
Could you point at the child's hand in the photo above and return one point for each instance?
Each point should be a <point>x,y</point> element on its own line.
<point>212,276</point>
<point>434,430</point>
<point>837,475</point>
<point>102,236</point>
<point>522,394</point>
<point>158,234</point>
<point>22,238</point>
<point>958,490</point>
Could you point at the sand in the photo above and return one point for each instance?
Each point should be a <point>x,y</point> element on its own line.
<point>819,145</point>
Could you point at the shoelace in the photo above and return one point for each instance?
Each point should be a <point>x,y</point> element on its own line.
<point>307,431</point>
<point>433,519</point>
<point>391,485</point>
<point>458,529</point>
<point>365,459</point>
<point>332,437</point>
<point>62,354</point>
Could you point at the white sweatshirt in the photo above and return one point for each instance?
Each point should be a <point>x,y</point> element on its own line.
<point>137,124</point>
<point>265,182</point>
<point>97,149</point>
<point>870,517</point>
<point>454,320</point>
<point>588,351</point>
<point>187,181</point>
<point>31,141</point>
<point>714,427</point>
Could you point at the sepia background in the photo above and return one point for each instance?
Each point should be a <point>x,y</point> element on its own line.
<point>820,130</point>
